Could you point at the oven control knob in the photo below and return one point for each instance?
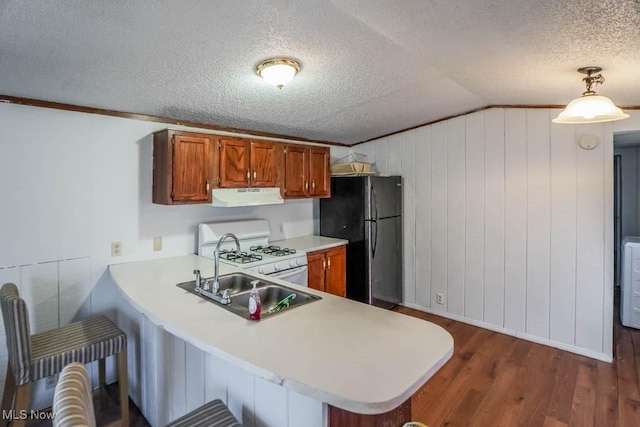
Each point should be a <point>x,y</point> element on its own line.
<point>277,267</point>
<point>298,262</point>
<point>261,270</point>
<point>292,263</point>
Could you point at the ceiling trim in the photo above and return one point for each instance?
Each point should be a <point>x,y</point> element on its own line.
<point>7,99</point>
<point>476,110</point>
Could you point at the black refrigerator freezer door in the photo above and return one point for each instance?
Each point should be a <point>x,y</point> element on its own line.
<point>383,197</point>
<point>342,215</point>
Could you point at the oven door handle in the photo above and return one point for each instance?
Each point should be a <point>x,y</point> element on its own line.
<point>289,273</point>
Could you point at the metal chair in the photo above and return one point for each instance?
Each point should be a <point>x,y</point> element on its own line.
<point>73,407</point>
<point>33,357</point>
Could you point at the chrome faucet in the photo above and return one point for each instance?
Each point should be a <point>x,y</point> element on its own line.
<point>215,286</point>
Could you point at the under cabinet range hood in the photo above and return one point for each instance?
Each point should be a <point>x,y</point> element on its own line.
<point>235,197</point>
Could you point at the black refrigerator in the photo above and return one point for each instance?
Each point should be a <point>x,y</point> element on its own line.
<point>367,211</point>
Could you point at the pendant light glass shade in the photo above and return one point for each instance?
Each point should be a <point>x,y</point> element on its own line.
<point>278,71</point>
<point>590,109</point>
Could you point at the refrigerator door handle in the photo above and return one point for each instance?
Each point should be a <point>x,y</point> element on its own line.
<point>375,239</point>
<point>374,201</point>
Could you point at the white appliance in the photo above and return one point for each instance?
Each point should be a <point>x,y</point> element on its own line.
<point>630,284</point>
<point>257,255</point>
<point>234,197</point>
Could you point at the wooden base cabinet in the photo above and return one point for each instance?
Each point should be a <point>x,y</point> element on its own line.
<point>184,167</point>
<point>327,270</point>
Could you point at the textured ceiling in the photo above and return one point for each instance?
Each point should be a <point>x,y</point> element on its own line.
<point>368,67</point>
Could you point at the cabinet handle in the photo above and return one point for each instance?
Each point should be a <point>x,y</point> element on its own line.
<point>324,264</point>
<point>254,175</point>
<point>313,185</point>
<point>248,175</point>
<point>306,185</point>
<point>328,262</point>
<point>207,185</point>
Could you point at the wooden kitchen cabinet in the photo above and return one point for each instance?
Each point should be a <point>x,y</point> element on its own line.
<point>248,163</point>
<point>184,167</point>
<point>234,162</point>
<point>187,165</point>
<point>266,164</point>
<point>306,172</point>
<point>327,270</point>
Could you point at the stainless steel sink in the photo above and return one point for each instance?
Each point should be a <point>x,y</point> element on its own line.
<point>239,286</point>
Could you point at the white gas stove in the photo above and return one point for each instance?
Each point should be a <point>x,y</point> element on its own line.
<point>257,255</point>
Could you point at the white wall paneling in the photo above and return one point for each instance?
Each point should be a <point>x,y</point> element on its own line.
<point>240,396</point>
<point>439,209</point>
<point>590,242</point>
<point>519,234</point>
<point>515,245</point>
<point>474,216</point>
<point>456,229</point>
<point>381,155</point>
<point>562,289</point>
<point>423,208</point>
<point>494,217</point>
<point>408,172</point>
<point>538,222</point>
<point>195,385</point>
<point>609,267</point>
<point>394,153</point>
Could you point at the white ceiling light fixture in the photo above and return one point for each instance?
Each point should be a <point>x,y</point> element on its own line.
<point>278,71</point>
<point>590,107</point>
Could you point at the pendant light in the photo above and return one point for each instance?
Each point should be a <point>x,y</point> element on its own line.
<point>278,71</point>
<point>590,107</point>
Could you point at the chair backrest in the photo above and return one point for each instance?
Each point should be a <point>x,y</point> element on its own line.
<point>73,400</point>
<point>16,326</point>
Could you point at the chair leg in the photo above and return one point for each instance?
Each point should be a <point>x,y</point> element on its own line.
<point>102,382</point>
<point>20,404</point>
<point>7,396</point>
<point>123,386</point>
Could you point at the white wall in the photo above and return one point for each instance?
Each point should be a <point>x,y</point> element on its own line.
<point>508,218</point>
<point>71,184</point>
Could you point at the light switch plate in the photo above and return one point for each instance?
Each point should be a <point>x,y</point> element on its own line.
<point>157,243</point>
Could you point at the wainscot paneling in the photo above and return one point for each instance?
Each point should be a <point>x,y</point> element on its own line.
<point>511,221</point>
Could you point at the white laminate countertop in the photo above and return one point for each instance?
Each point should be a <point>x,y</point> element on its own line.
<point>350,355</point>
<point>310,243</point>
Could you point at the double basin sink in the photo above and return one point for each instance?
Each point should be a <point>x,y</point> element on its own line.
<point>239,287</point>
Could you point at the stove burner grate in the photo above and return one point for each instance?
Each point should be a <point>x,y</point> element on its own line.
<point>273,250</point>
<point>239,257</point>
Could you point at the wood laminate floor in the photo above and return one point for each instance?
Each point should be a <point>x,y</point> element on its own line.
<point>498,380</point>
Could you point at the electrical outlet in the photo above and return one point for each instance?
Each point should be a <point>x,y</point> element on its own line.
<point>157,243</point>
<point>51,381</point>
<point>116,248</point>
<point>440,298</point>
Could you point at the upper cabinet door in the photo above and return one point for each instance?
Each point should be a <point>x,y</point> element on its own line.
<point>319,185</point>
<point>191,168</point>
<point>264,164</point>
<point>234,163</point>
<point>296,165</point>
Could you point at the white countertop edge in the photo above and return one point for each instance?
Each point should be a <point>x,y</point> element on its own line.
<point>360,407</point>
<point>311,243</point>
